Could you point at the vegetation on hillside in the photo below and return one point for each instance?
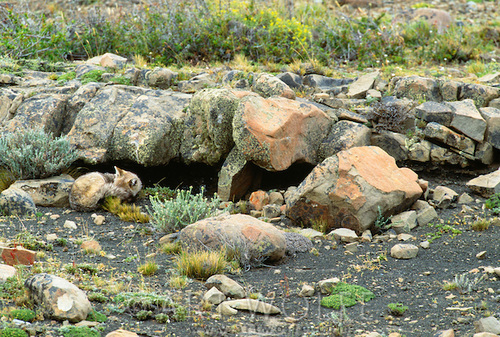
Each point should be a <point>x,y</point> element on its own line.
<point>179,32</point>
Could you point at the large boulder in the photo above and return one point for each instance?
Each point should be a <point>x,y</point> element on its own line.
<point>268,85</point>
<point>209,126</point>
<point>58,298</point>
<point>348,190</point>
<point>468,120</point>
<point>342,136</point>
<point>252,240</point>
<point>14,201</point>
<point>130,123</point>
<point>49,192</point>
<point>274,133</point>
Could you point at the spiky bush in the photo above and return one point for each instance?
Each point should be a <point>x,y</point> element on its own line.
<point>33,153</point>
<point>346,295</point>
<point>186,208</point>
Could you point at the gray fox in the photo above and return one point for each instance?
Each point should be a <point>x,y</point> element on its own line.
<point>92,187</point>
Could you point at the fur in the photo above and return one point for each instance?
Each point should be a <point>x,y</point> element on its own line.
<point>89,189</point>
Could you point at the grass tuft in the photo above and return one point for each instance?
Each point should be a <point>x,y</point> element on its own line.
<point>201,264</point>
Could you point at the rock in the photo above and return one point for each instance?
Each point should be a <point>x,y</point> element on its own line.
<point>358,88</point>
<point>481,255</point>
<point>344,235</point>
<point>465,198</point>
<point>14,201</point>
<point>108,60</point>
<point>425,212</point>
<point>10,100</point>
<point>253,240</point>
<point>293,80</point>
<point>485,153</point>
<point>297,242</point>
<point>274,133</point>
<point>468,120</point>
<point>197,83</point>
<point>17,255</point>
<point>391,142</point>
<point>311,233</point>
<point>416,87</point>
<point>226,310</point>
<point>306,291</point>
<point>366,236</point>
<point>486,185</point>
<point>325,286</point>
<point>445,333</point>
<point>6,271</point>
<point>70,225</point>
<point>208,126</point>
<point>495,103</point>
<point>405,237</point>
<point>347,190</point>
<point>258,200</point>
<point>443,196</point>
<point>48,192</point>
<point>343,135</point>
<point>130,123</point>
<point>161,78</point>
<point>253,306</point>
<point>420,151</point>
<point>489,78</point>
<point>225,285</point>
<point>485,334</point>
<point>41,110</point>
<point>480,94</point>
<point>404,222</point>
<point>446,136</point>
<point>324,83</point>
<point>450,90</point>
<point>51,237</point>
<point>271,211</point>
<point>434,112</point>
<point>122,333</point>
<point>58,298</point>
<point>441,156</point>
<point>425,244</point>
<point>347,115</point>
<point>488,324</point>
<point>98,219</point>
<point>351,247</point>
<point>268,85</point>
<point>236,176</point>
<point>214,296</point>
<point>77,101</point>
<point>492,118</point>
<point>276,198</point>
<point>404,251</point>
<point>91,247</point>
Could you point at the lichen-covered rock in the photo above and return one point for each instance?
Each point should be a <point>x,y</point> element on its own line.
<point>492,118</point>
<point>446,136</point>
<point>226,285</point>
<point>208,127</point>
<point>268,85</point>
<point>480,94</point>
<point>274,133</point>
<point>348,189</point>
<point>468,120</point>
<point>235,176</point>
<point>416,87</point>
<point>130,123</point>
<point>9,102</point>
<point>253,239</point>
<point>58,298</point>
<point>77,101</point>
<point>14,201</point>
<point>343,135</point>
<point>49,192</point>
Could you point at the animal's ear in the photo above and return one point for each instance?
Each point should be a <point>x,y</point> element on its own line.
<point>119,171</point>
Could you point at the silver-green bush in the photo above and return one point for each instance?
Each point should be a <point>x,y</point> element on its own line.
<point>32,153</point>
<point>186,208</point>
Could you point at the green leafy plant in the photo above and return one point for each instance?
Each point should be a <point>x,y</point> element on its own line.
<point>33,153</point>
<point>148,269</point>
<point>346,295</point>
<point>96,316</point>
<point>143,301</point>
<point>97,297</point>
<point>79,331</point>
<point>23,314</point>
<point>382,223</point>
<point>29,241</point>
<point>493,203</point>
<point>464,283</point>
<point>397,309</point>
<point>185,209</point>
<point>92,76</point>
<point>61,80</point>
<point>144,315</point>
<point>481,225</point>
<point>13,332</point>
<point>440,230</point>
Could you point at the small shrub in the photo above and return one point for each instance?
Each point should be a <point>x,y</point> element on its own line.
<point>26,315</point>
<point>33,153</point>
<point>121,80</point>
<point>61,80</point>
<point>493,203</point>
<point>129,213</point>
<point>346,295</point>
<point>201,264</point>
<point>481,225</point>
<point>178,281</point>
<point>143,301</point>
<point>96,316</point>
<point>162,318</point>
<point>13,332</point>
<point>97,297</point>
<point>148,269</point>
<point>86,268</point>
<point>144,315</point>
<point>465,284</point>
<point>180,314</point>
<point>29,241</point>
<point>12,288</point>
<point>382,223</point>
<point>92,76</point>
<point>171,248</point>
<point>183,210</point>
<point>397,309</point>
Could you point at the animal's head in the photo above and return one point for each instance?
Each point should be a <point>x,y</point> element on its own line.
<point>128,179</point>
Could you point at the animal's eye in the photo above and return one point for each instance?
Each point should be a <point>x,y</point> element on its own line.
<point>133,182</point>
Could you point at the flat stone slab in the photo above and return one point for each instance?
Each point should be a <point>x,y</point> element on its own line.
<point>486,185</point>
